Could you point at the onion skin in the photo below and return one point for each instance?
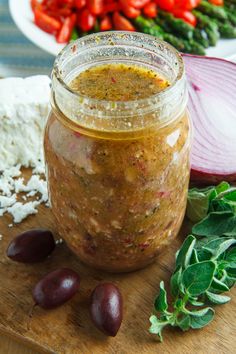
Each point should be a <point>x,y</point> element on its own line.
<point>208,178</point>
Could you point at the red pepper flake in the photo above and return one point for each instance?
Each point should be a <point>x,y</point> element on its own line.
<point>163,194</point>
<point>77,134</point>
<point>74,48</point>
<point>127,240</point>
<point>144,245</point>
<point>113,80</point>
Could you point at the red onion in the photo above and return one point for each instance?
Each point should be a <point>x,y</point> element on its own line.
<point>212,107</point>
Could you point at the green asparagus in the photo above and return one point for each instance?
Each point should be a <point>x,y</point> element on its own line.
<point>231,15</point>
<point>212,10</point>
<point>178,26</point>
<point>74,34</point>
<point>211,28</point>
<point>201,37</point>
<point>226,30</point>
<point>150,27</point>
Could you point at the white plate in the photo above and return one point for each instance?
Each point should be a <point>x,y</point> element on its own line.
<point>23,17</point>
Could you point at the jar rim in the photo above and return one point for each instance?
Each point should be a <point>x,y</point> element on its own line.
<point>82,43</point>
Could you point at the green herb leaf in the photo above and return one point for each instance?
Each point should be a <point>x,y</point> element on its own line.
<point>222,187</point>
<point>183,256</point>
<point>175,282</point>
<point>197,205</point>
<point>219,246</point>
<point>157,326</point>
<point>221,205</point>
<point>197,277</point>
<point>194,257</point>
<point>161,300</point>
<point>231,273</point>
<point>218,286</point>
<point>215,224</point>
<point>199,320</point>
<point>195,302</point>
<point>184,322</point>
<point>231,257</point>
<point>203,255</point>
<point>217,299</point>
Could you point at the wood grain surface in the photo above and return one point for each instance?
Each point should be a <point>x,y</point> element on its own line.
<point>68,329</point>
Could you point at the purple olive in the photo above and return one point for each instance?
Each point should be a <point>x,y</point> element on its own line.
<point>31,246</point>
<point>107,308</point>
<point>55,288</point>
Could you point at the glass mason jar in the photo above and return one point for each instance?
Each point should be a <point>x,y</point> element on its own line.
<point>118,172</point>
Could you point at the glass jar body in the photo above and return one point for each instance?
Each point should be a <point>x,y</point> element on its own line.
<point>117,202</point>
<point>118,172</point>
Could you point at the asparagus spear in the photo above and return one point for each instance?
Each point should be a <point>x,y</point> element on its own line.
<point>226,30</point>
<point>212,10</point>
<point>187,46</point>
<point>231,15</point>
<point>148,26</point>
<point>74,34</point>
<point>178,27</point>
<point>211,28</point>
<point>200,35</point>
<point>230,2</point>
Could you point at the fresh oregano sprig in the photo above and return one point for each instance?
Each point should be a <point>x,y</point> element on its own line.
<point>205,265</point>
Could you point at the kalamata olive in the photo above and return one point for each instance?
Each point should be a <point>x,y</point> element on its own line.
<point>107,308</point>
<point>56,287</point>
<point>31,246</point>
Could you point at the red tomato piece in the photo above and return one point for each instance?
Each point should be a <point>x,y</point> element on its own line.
<point>166,5</point>
<point>121,23</point>
<point>80,3</point>
<point>150,10</point>
<point>45,22</point>
<point>95,6</point>
<point>105,24</point>
<point>35,4</point>
<point>111,7</point>
<point>187,16</point>
<point>86,20</point>
<point>217,2</point>
<point>66,29</point>
<point>128,10</point>
<point>186,4</point>
<point>138,4</point>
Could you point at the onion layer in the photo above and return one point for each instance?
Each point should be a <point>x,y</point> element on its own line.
<point>212,108</point>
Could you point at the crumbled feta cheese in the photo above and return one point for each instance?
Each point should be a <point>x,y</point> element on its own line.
<point>19,211</point>
<point>24,106</point>
<point>23,111</point>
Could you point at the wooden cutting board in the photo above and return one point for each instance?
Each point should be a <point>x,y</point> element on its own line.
<point>69,330</point>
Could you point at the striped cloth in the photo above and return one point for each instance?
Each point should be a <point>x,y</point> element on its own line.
<point>18,56</point>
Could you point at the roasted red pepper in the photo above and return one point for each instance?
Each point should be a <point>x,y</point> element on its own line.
<point>121,23</point>
<point>128,10</point>
<point>111,7</point>
<point>45,22</point>
<point>166,5</point>
<point>150,10</point>
<point>105,24</point>
<point>95,6</point>
<point>79,4</point>
<point>187,16</point>
<point>66,29</point>
<point>138,4</point>
<point>86,20</point>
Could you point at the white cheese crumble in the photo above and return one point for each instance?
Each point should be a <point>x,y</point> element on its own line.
<point>24,106</point>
